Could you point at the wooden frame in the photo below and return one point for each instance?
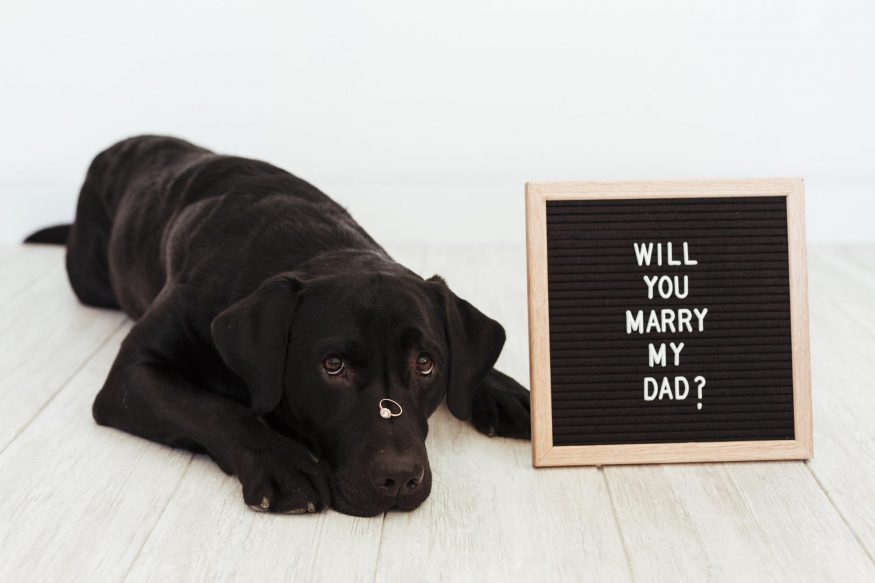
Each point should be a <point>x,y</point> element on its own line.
<point>544,453</point>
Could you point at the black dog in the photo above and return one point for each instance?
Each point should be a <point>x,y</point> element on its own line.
<point>272,329</point>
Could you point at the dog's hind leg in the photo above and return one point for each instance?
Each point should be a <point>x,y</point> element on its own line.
<point>88,242</point>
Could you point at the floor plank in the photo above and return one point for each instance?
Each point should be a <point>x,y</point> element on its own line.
<point>686,523</point>
<point>842,287</point>
<point>763,521</point>
<point>207,533</point>
<point>491,516</point>
<point>88,503</point>
<point>49,335</point>
<point>22,266</point>
<point>804,532</point>
<point>756,520</point>
<point>78,499</point>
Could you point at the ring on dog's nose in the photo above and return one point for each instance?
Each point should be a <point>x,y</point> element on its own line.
<point>386,412</point>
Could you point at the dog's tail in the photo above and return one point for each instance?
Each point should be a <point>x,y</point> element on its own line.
<point>56,235</point>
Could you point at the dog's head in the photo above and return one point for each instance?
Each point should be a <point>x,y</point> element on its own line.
<point>320,353</point>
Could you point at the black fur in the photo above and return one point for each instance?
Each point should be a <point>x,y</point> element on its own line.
<point>243,279</point>
<point>56,235</point>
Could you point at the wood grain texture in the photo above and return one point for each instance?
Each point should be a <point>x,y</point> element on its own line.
<point>206,533</point>
<point>23,266</point>
<point>539,325</point>
<point>78,499</point>
<point>81,502</point>
<point>47,335</point>
<point>663,188</point>
<point>843,346</point>
<point>732,522</point>
<point>799,318</point>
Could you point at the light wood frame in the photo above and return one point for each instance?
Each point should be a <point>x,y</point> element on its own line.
<point>544,453</point>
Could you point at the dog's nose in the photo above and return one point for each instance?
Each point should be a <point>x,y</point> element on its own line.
<point>396,474</point>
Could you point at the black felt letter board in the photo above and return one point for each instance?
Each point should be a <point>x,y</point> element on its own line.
<point>739,352</point>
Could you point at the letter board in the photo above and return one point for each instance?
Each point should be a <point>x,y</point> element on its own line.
<point>668,322</point>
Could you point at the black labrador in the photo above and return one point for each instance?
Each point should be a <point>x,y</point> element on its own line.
<point>273,333</point>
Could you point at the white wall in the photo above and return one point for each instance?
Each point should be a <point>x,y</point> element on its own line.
<point>425,119</point>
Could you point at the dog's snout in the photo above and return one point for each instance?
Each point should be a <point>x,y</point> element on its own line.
<point>397,475</point>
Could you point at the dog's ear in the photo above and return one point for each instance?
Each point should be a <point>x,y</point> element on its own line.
<point>252,336</point>
<point>475,341</point>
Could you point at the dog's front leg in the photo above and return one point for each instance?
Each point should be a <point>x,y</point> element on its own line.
<point>501,407</point>
<point>146,395</point>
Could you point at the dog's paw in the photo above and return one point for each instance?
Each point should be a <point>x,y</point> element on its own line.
<point>501,407</point>
<point>283,478</point>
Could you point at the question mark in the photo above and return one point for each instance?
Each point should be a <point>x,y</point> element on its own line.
<point>701,382</point>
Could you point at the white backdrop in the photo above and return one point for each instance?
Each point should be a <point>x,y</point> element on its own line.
<point>426,118</point>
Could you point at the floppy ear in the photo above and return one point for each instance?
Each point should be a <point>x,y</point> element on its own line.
<point>252,336</point>
<point>475,341</point>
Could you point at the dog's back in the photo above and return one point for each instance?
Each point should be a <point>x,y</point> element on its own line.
<point>154,208</point>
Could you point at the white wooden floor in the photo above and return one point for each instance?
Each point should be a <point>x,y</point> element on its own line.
<point>84,503</point>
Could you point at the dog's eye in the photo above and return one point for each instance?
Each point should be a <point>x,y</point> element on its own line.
<point>424,365</point>
<point>333,365</point>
